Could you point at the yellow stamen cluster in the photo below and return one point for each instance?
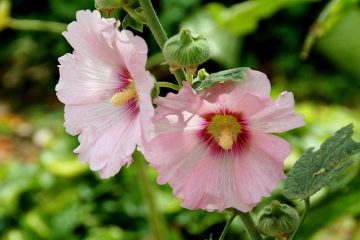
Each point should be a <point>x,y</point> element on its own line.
<point>122,97</point>
<point>225,130</point>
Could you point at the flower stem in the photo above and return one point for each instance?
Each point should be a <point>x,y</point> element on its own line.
<point>306,210</point>
<point>249,226</point>
<point>159,34</point>
<point>36,25</point>
<point>189,78</point>
<point>227,226</point>
<point>155,60</point>
<point>155,219</point>
<point>154,23</point>
<point>169,85</point>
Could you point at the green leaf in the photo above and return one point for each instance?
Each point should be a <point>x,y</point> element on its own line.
<point>334,11</point>
<point>314,170</point>
<point>134,19</point>
<point>235,75</point>
<point>345,36</point>
<point>243,18</point>
<point>132,23</point>
<point>333,207</point>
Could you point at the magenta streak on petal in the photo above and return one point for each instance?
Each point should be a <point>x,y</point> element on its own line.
<point>132,107</point>
<point>124,79</point>
<point>241,142</point>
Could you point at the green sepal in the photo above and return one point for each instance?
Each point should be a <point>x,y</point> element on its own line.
<point>155,91</point>
<point>315,170</point>
<point>135,20</point>
<point>234,75</point>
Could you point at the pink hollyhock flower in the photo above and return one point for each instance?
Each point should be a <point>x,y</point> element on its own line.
<point>215,149</point>
<point>106,91</point>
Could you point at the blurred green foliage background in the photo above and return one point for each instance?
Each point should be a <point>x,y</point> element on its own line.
<point>46,193</point>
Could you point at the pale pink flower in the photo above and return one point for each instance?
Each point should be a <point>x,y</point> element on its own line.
<point>106,91</point>
<point>215,149</point>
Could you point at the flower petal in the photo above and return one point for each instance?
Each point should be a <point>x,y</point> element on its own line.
<point>255,83</point>
<point>278,117</point>
<point>98,115</point>
<point>134,51</point>
<point>113,166</point>
<point>248,104</point>
<point>170,160</point>
<point>211,185</point>
<point>276,148</point>
<point>87,80</point>
<point>179,130</point>
<point>247,97</point>
<point>185,100</point>
<point>256,172</point>
<point>144,84</point>
<point>116,143</point>
<point>92,36</point>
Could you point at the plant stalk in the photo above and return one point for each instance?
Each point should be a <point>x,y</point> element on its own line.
<point>227,226</point>
<point>155,60</point>
<point>159,34</point>
<point>36,25</point>
<point>168,85</point>
<point>250,226</point>
<point>302,219</point>
<point>155,218</point>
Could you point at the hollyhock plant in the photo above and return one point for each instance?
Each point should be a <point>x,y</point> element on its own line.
<point>106,91</point>
<point>213,141</point>
<point>215,148</point>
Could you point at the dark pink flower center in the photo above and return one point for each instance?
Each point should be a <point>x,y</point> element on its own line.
<point>126,94</point>
<point>225,131</point>
<point>122,97</point>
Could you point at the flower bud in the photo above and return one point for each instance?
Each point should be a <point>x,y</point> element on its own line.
<point>108,5</point>
<point>202,74</point>
<point>277,220</point>
<point>186,50</point>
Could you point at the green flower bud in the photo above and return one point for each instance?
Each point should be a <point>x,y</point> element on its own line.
<point>277,220</point>
<point>108,5</point>
<point>202,74</point>
<point>186,50</point>
<point>5,7</point>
